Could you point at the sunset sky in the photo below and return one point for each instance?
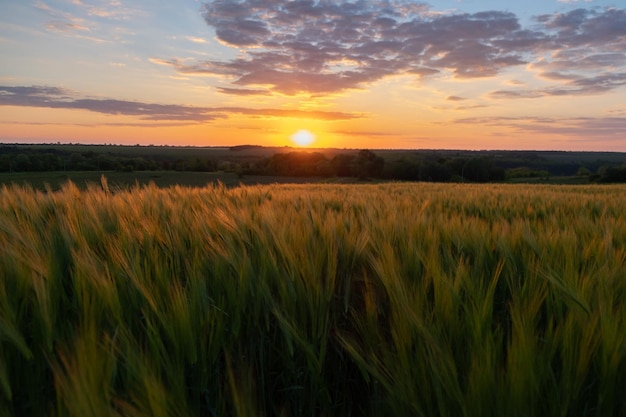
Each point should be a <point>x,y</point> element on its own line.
<point>450,74</point>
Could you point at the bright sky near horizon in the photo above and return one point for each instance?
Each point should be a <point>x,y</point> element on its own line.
<point>445,74</point>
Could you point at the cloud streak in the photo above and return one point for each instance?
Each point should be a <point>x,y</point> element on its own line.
<point>572,86</point>
<point>81,18</point>
<point>59,98</point>
<point>608,128</point>
<point>242,91</point>
<point>323,47</point>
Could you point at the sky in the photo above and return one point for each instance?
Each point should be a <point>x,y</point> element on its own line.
<point>376,74</point>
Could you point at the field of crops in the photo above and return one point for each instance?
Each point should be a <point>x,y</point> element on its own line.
<point>313,300</point>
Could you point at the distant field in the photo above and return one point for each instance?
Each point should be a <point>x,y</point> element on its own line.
<point>125,180</point>
<point>411,299</point>
<point>556,180</point>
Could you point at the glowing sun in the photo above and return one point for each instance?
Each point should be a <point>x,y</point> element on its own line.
<point>303,138</point>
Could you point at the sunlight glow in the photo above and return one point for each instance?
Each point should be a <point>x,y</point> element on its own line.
<point>303,138</point>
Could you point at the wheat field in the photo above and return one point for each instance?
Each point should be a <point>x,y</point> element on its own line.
<point>313,300</point>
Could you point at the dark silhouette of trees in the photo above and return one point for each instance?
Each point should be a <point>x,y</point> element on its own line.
<point>365,164</point>
<point>342,165</point>
<point>425,169</point>
<point>440,166</point>
<point>611,174</point>
<point>24,159</point>
<point>403,170</point>
<point>478,169</point>
<point>525,172</point>
<point>434,172</point>
<point>368,165</point>
<point>296,164</point>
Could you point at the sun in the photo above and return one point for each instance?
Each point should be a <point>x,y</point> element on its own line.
<point>303,138</point>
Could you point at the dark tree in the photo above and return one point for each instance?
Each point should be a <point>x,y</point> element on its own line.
<point>403,169</point>
<point>21,163</point>
<point>476,170</point>
<point>368,165</point>
<point>433,171</point>
<point>342,165</point>
<point>612,174</point>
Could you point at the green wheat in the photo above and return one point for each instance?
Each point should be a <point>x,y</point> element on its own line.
<point>310,300</point>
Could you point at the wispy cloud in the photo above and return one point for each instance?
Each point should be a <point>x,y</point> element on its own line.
<point>366,134</point>
<point>242,91</point>
<point>80,18</point>
<point>300,114</point>
<point>66,23</point>
<point>607,128</point>
<point>77,31</point>
<point>43,6</point>
<point>57,14</point>
<point>196,39</point>
<point>109,9</point>
<point>327,47</point>
<point>572,86</point>
<point>65,27</point>
<point>59,98</point>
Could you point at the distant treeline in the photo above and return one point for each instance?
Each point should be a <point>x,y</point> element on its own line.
<point>364,164</point>
<point>436,166</point>
<point>367,165</point>
<point>610,174</point>
<point>38,159</point>
<point>431,167</point>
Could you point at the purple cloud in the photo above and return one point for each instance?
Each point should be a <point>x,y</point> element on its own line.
<point>319,47</point>
<point>58,98</point>
<point>325,47</point>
